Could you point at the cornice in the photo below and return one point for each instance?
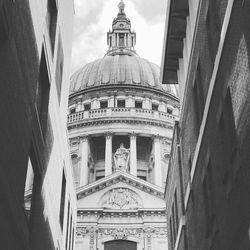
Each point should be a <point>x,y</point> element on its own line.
<point>117,213</point>
<point>102,121</point>
<point>116,87</point>
<point>120,177</point>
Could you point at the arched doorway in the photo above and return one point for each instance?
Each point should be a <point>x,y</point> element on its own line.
<point>120,245</point>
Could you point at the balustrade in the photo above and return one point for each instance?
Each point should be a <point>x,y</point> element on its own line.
<point>126,112</point>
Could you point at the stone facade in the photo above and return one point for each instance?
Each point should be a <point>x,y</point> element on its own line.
<point>120,125</point>
<point>35,175</point>
<point>208,174</point>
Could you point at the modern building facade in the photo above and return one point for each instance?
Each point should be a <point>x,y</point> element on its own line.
<point>38,202</point>
<point>206,52</point>
<point>120,126</point>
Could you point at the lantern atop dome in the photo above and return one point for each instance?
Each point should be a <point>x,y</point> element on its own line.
<point>121,40</point>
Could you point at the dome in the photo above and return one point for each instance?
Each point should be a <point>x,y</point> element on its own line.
<point>118,69</point>
<point>121,64</point>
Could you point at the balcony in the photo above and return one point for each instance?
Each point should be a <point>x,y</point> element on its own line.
<point>121,112</point>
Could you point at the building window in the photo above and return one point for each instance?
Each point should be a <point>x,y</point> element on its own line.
<point>51,19</point>
<point>198,96</point>
<point>70,234</point>
<point>176,211</point>
<point>73,238</point>
<point>121,40</point>
<point>155,106</point>
<point>62,204</point>
<point>100,152</point>
<point>104,104</point>
<point>59,68</point>
<point>170,111</point>
<point>138,104</point>
<point>42,95</point>
<point>174,224</point>
<point>208,193</point>
<point>121,103</point>
<point>28,190</point>
<point>3,37</point>
<point>171,233</point>
<point>213,28</point>
<point>87,106</point>
<point>142,153</point>
<point>67,229</point>
<point>229,140</point>
<point>72,111</point>
<point>99,177</point>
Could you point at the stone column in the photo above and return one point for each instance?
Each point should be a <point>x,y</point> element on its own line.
<point>133,155</point>
<point>157,161</point>
<point>117,40</point>
<point>84,171</point>
<point>125,39</point>
<point>108,154</point>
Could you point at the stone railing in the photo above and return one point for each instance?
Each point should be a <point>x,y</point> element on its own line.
<point>120,112</point>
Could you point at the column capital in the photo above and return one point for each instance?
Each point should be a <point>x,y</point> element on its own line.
<point>156,137</point>
<point>84,138</point>
<point>133,135</point>
<point>108,135</point>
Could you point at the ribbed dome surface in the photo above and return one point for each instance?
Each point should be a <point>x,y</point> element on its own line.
<point>118,69</point>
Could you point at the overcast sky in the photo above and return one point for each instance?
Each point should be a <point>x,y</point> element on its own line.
<point>93,19</point>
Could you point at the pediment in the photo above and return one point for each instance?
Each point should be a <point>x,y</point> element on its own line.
<point>120,177</point>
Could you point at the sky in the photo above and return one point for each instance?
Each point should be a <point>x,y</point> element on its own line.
<point>93,19</point>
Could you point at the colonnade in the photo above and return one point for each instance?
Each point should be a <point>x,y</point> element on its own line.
<point>84,152</point>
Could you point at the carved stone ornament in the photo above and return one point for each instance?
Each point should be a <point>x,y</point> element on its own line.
<point>121,198</point>
<point>120,233</point>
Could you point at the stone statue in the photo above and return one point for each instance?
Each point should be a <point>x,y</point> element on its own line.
<point>121,158</point>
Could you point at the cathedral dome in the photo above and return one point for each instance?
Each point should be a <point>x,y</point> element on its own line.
<point>121,64</point>
<point>118,69</point>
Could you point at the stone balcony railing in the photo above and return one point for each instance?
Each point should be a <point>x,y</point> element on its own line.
<point>121,112</point>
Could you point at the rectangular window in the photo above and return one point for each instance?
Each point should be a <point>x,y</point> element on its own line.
<point>213,28</point>
<point>62,205</point>
<point>32,188</point>
<point>100,152</point>
<point>67,233</point>
<point>99,177</point>
<point>28,190</point>
<point>121,103</point>
<point>70,232</point>
<point>51,20</point>
<point>171,233</point>
<point>169,111</point>
<point>59,68</point>
<point>121,40</point>
<point>143,177</point>
<point>155,106</point>
<point>72,111</point>
<point>141,155</point>
<point>208,191</point>
<point>3,37</point>
<point>176,210</point>
<point>73,238</point>
<point>104,104</point>
<point>138,104</point>
<point>174,224</point>
<point>198,96</point>
<point>87,106</point>
<point>42,94</point>
<point>229,140</point>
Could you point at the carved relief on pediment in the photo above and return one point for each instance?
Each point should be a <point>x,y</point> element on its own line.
<point>121,198</point>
